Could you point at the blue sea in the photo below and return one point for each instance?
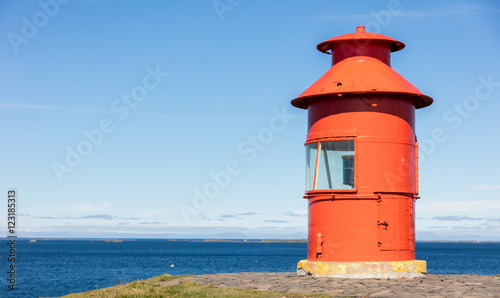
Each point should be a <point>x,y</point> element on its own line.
<point>60,267</point>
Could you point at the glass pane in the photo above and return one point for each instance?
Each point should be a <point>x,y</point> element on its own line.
<point>348,170</point>
<point>336,165</point>
<point>311,151</point>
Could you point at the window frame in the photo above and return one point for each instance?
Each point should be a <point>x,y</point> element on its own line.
<point>316,169</point>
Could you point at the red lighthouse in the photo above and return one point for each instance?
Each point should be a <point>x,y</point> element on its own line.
<point>361,162</point>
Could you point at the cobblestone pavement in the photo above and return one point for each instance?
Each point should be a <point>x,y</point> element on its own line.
<point>432,285</point>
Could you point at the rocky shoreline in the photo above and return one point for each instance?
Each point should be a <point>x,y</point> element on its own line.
<point>432,285</point>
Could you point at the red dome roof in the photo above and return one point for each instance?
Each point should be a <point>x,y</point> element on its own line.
<point>358,75</point>
<point>360,35</point>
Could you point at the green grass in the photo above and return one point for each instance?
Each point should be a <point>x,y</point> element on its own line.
<point>151,288</point>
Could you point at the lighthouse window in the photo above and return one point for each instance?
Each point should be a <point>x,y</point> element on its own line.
<point>311,156</point>
<point>330,165</point>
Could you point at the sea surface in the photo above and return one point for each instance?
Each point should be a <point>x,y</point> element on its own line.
<point>60,267</point>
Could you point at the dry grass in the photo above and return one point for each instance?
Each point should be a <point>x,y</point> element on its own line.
<point>151,288</point>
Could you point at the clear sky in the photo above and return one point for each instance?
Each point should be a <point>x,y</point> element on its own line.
<point>173,118</point>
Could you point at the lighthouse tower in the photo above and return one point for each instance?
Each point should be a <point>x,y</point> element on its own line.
<point>361,163</point>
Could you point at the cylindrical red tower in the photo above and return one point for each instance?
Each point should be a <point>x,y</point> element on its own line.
<point>361,162</point>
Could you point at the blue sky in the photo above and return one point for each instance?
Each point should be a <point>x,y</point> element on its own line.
<point>173,119</point>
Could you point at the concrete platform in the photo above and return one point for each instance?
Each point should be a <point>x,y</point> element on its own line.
<point>431,285</point>
<point>397,269</point>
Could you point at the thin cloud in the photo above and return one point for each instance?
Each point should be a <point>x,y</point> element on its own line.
<point>276,221</point>
<point>455,227</point>
<point>79,208</point>
<point>293,214</point>
<point>484,187</point>
<point>88,110</point>
<point>464,9</point>
<point>269,228</point>
<point>227,216</point>
<point>457,218</point>
<point>247,213</point>
<point>196,117</point>
<point>68,110</point>
<point>55,217</point>
<point>464,218</point>
<point>459,206</point>
<point>97,216</point>
<point>150,223</point>
<point>493,224</point>
<point>28,106</point>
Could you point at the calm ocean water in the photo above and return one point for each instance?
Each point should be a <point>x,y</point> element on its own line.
<point>60,267</point>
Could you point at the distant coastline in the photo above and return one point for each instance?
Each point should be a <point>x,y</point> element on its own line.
<point>254,240</point>
<point>35,240</point>
<point>119,240</point>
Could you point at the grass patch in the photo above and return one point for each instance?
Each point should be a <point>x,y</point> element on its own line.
<point>151,288</point>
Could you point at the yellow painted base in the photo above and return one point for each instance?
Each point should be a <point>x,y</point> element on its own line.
<point>397,269</point>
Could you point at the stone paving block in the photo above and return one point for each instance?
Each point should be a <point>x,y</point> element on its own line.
<point>289,282</point>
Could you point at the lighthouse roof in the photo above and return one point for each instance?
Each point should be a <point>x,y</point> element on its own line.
<point>361,75</point>
<point>360,37</point>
